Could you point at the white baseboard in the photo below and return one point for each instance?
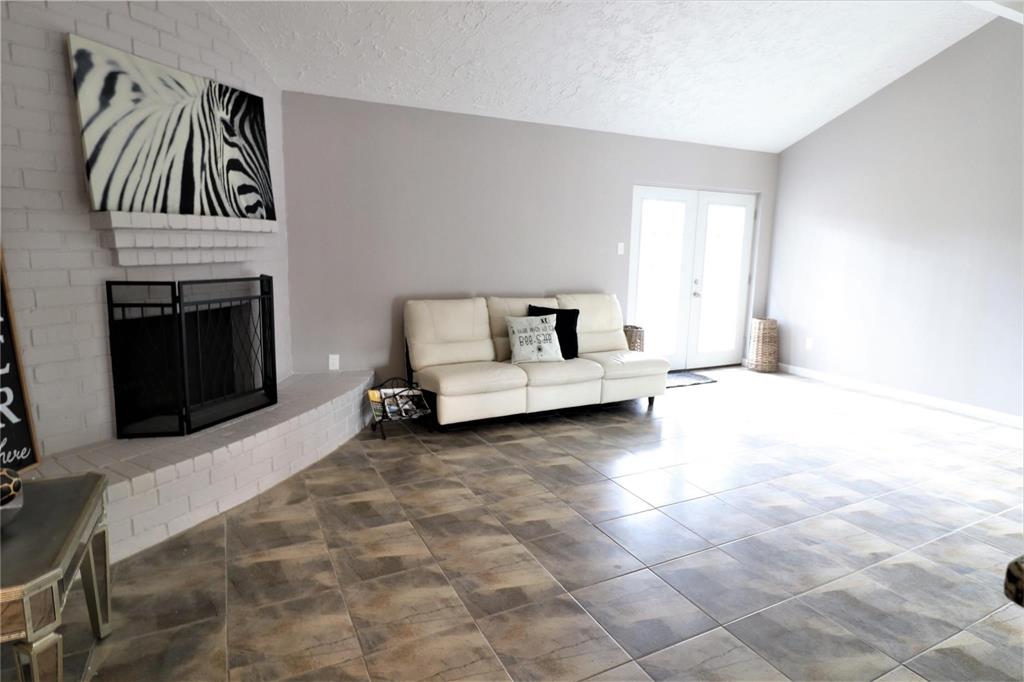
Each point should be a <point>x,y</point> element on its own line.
<point>966,409</point>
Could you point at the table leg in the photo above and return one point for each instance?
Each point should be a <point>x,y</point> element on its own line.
<point>96,582</point>
<point>42,660</point>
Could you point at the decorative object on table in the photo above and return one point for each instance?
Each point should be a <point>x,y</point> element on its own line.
<point>533,339</point>
<point>19,449</point>
<point>680,377</point>
<point>763,350</point>
<point>634,337</point>
<point>395,400</point>
<point>11,499</point>
<point>566,321</point>
<point>63,531</point>
<point>159,140</point>
<point>1013,586</point>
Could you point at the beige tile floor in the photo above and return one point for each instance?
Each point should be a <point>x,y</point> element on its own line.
<point>759,528</point>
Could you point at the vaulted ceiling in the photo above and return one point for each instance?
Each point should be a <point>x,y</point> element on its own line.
<point>753,75</point>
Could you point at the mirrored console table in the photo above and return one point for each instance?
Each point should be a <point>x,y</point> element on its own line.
<point>60,530</point>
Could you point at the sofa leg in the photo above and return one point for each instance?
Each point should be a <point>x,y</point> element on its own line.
<point>650,401</point>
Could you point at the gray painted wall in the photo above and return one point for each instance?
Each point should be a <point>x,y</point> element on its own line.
<point>388,203</point>
<point>897,243</point>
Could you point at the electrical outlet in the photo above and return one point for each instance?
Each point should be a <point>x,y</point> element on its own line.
<point>621,249</point>
<point>809,343</point>
<point>333,361</point>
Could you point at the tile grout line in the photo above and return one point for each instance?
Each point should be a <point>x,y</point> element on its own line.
<point>520,543</point>
<point>437,562</point>
<point>800,595</point>
<point>311,500</point>
<point>1008,605</point>
<point>823,513</point>
<point>713,546</point>
<point>334,569</point>
<point>990,461</point>
<point>568,592</point>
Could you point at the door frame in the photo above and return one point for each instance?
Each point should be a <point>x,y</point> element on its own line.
<point>699,199</point>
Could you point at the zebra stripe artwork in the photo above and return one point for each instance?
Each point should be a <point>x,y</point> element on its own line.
<point>158,140</point>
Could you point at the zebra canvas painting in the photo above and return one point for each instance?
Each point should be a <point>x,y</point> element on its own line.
<point>159,140</point>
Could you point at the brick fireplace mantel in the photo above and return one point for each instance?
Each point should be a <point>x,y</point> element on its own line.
<point>170,239</point>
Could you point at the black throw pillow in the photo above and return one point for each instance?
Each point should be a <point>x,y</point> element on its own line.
<point>565,327</point>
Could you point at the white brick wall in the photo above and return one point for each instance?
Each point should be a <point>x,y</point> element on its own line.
<point>56,261</point>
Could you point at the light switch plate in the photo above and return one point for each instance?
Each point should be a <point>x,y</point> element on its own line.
<point>621,249</point>
<point>333,361</point>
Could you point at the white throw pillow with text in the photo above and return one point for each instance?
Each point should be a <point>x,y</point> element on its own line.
<point>533,339</point>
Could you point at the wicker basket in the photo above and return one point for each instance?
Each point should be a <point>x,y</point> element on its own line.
<point>634,337</point>
<point>763,352</point>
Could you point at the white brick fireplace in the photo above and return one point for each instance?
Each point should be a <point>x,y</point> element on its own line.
<point>59,256</point>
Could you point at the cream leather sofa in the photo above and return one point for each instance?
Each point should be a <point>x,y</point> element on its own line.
<point>459,350</point>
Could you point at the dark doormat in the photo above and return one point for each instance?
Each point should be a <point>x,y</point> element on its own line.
<point>683,378</point>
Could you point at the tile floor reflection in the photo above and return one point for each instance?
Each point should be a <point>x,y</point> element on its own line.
<point>759,528</point>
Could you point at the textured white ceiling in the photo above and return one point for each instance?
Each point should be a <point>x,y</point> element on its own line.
<point>753,75</point>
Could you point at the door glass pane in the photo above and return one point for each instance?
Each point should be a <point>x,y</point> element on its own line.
<point>722,288</point>
<point>662,224</point>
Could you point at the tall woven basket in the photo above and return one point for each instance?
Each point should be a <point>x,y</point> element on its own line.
<point>763,352</point>
<point>634,337</point>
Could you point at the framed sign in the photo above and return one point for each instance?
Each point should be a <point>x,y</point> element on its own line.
<point>19,448</point>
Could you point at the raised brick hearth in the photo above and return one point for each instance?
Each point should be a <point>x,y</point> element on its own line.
<point>160,486</point>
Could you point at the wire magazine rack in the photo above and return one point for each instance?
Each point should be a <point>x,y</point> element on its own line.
<point>395,400</point>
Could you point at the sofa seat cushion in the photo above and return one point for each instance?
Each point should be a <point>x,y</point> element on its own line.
<point>572,371</point>
<point>624,364</point>
<point>467,378</point>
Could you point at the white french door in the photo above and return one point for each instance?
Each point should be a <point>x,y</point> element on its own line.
<point>663,238</point>
<point>689,273</point>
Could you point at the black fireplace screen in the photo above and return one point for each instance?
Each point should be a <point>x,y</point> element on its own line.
<point>188,355</point>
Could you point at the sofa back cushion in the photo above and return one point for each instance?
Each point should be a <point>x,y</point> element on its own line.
<point>444,332</point>
<point>499,308</point>
<point>600,325</point>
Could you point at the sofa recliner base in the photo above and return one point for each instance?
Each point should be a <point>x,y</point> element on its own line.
<point>451,409</point>
<point>544,398</point>
<point>617,390</point>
